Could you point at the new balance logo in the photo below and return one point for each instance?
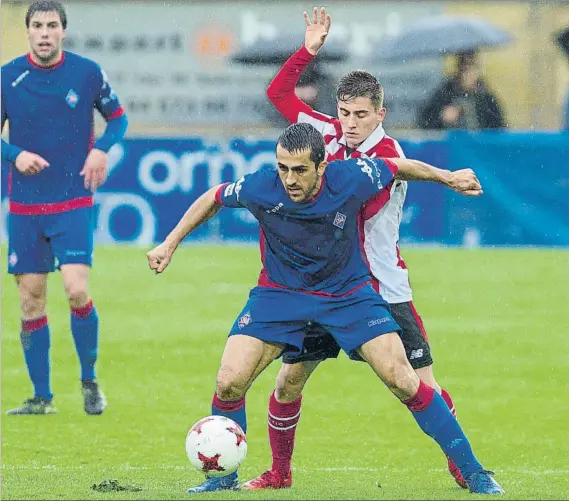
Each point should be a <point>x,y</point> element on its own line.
<point>416,354</point>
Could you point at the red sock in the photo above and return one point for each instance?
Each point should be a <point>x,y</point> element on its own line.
<point>449,402</point>
<point>283,418</point>
<point>422,398</point>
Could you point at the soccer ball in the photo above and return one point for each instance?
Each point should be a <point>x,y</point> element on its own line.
<point>216,446</point>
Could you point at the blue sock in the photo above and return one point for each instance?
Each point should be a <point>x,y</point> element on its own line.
<point>85,330</point>
<point>35,344</point>
<point>233,409</point>
<point>436,420</point>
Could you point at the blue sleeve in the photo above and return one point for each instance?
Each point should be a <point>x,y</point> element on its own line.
<point>372,176</point>
<point>106,101</point>
<point>233,194</point>
<point>248,190</point>
<point>114,132</point>
<point>9,151</point>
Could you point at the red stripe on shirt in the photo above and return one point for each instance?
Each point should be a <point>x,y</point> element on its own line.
<point>265,282</point>
<point>373,205</point>
<point>50,67</point>
<point>218,193</point>
<point>119,112</point>
<point>49,208</point>
<point>400,261</point>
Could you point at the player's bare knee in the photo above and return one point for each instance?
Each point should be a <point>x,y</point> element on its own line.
<point>32,298</point>
<point>229,385</point>
<point>76,282</point>
<point>77,293</point>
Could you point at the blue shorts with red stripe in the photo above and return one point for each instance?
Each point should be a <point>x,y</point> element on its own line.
<point>286,316</point>
<point>42,243</point>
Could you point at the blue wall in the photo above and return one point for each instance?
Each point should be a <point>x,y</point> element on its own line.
<point>525,179</point>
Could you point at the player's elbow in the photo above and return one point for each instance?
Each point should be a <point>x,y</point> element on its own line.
<point>274,93</point>
<point>271,94</point>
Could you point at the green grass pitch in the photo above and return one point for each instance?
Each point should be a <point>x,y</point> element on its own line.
<point>498,323</point>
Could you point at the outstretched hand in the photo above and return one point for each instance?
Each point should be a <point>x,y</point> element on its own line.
<point>465,182</point>
<point>316,30</point>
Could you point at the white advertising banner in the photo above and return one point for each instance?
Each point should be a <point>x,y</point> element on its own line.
<point>170,63</point>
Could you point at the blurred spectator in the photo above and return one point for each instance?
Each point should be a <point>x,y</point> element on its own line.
<point>463,101</point>
<point>563,41</point>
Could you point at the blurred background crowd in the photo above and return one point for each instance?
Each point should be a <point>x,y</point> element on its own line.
<point>192,76</point>
<point>192,66</point>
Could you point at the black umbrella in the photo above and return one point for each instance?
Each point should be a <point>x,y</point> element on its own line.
<point>439,36</point>
<point>277,50</point>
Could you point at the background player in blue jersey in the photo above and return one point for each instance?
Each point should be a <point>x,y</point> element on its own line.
<point>314,273</point>
<point>48,97</point>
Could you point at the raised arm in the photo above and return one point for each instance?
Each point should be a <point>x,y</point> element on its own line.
<point>203,209</point>
<point>281,91</point>
<point>462,181</point>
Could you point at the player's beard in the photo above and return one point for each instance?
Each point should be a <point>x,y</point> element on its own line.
<point>311,192</point>
<point>51,58</point>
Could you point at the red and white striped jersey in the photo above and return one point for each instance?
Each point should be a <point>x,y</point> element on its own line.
<point>381,216</point>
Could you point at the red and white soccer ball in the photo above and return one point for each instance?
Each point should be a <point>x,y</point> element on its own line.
<point>216,446</point>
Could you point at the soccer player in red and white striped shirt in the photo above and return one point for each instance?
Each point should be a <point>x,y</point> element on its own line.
<point>356,132</point>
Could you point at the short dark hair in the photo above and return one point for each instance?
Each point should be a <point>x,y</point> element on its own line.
<point>46,6</point>
<point>302,136</point>
<point>360,83</point>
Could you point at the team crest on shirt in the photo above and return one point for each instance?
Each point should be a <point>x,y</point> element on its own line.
<point>13,259</point>
<point>72,98</point>
<point>244,320</point>
<point>340,220</point>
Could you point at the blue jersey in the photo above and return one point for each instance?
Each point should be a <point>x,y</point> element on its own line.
<point>314,246</point>
<point>50,112</point>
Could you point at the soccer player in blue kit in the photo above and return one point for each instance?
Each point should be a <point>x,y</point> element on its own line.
<point>314,273</point>
<point>48,98</point>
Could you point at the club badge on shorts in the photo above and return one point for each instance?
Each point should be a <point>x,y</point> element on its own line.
<point>244,320</point>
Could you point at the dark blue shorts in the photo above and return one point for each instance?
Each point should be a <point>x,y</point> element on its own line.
<point>284,316</point>
<point>40,244</point>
